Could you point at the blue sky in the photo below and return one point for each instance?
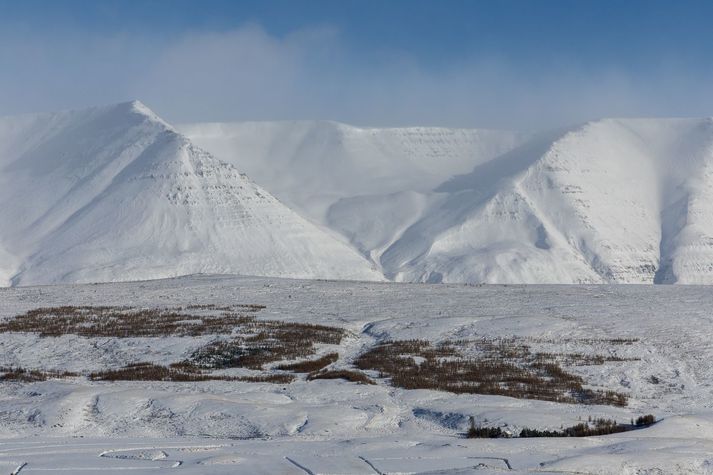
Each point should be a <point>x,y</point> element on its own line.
<point>497,63</point>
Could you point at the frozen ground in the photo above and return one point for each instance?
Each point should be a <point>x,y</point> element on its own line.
<point>336,427</point>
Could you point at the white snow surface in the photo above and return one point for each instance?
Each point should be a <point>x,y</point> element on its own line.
<point>610,201</point>
<point>115,193</point>
<point>314,164</point>
<point>336,427</point>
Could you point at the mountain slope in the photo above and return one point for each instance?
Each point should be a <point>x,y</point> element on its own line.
<point>115,193</point>
<point>623,201</point>
<point>313,164</point>
<point>368,184</point>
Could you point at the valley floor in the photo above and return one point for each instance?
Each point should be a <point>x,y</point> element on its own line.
<point>652,344</point>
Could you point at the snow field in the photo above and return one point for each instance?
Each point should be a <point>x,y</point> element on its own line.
<point>326,425</point>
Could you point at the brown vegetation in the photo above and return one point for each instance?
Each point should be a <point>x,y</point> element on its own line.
<point>24,375</point>
<point>499,369</point>
<point>645,421</point>
<point>499,366</point>
<point>594,427</point>
<point>267,342</point>
<point>120,322</point>
<point>310,366</point>
<point>256,342</point>
<point>179,373</point>
<point>247,342</point>
<point>583,429</point>
<point>352,376</point>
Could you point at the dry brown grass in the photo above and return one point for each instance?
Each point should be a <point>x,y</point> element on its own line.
<point>31,375</point>
<point>250,343</point>
<point>179,373</point>
<point>269,341</point>
<point>352,376</point>
<point>121,322</point>
<point>581,359</point>
<point>227,308</point>
<point>503,366</point>
<point>310,366</point>
<point>255,342</point>
<point>501,369</point>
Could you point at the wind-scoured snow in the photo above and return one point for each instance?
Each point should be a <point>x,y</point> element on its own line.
<point>115,193</point>
<point>611,201</point>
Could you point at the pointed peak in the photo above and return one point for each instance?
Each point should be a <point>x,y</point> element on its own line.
<point>139,108</point>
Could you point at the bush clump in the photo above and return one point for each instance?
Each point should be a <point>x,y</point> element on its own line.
<point>484,433</point>
<point>645,421</point>
<point>589,429</point>
<point>179,373</point>
<point>24,375</point>
<point>506,370</point>
<point>266,341</point>
<point>310,366</point>
<point>351,376</point>
<point>123,322</point>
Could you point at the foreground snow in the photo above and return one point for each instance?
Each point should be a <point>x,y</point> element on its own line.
<point>333,426</point>
<point>647,452</point>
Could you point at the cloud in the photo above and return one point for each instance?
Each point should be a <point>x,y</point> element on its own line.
<point>249,74</point>
<point>244,73</point>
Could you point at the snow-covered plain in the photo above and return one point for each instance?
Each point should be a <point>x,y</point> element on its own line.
<point>333,426</point>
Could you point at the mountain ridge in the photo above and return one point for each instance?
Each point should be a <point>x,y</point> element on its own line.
<point>116,193</point>
<point>606,201</point>
<point>119,194</point>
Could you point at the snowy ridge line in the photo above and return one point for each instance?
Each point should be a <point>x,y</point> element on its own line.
<point>609,201</point>
<point>114,193</point>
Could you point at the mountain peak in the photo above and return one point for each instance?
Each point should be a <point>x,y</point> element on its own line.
<point>139,108</point>
<point>114,193</point>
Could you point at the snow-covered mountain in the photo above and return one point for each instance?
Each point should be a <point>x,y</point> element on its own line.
<point>314,164</point>
<point>368,184</point>
<point>115,193</point>
<point>627,201</point>
<point>624,201</point>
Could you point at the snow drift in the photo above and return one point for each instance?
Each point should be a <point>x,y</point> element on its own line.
<point>115,193</point>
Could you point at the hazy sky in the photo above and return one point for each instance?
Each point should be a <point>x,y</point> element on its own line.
<point>496,63</point>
